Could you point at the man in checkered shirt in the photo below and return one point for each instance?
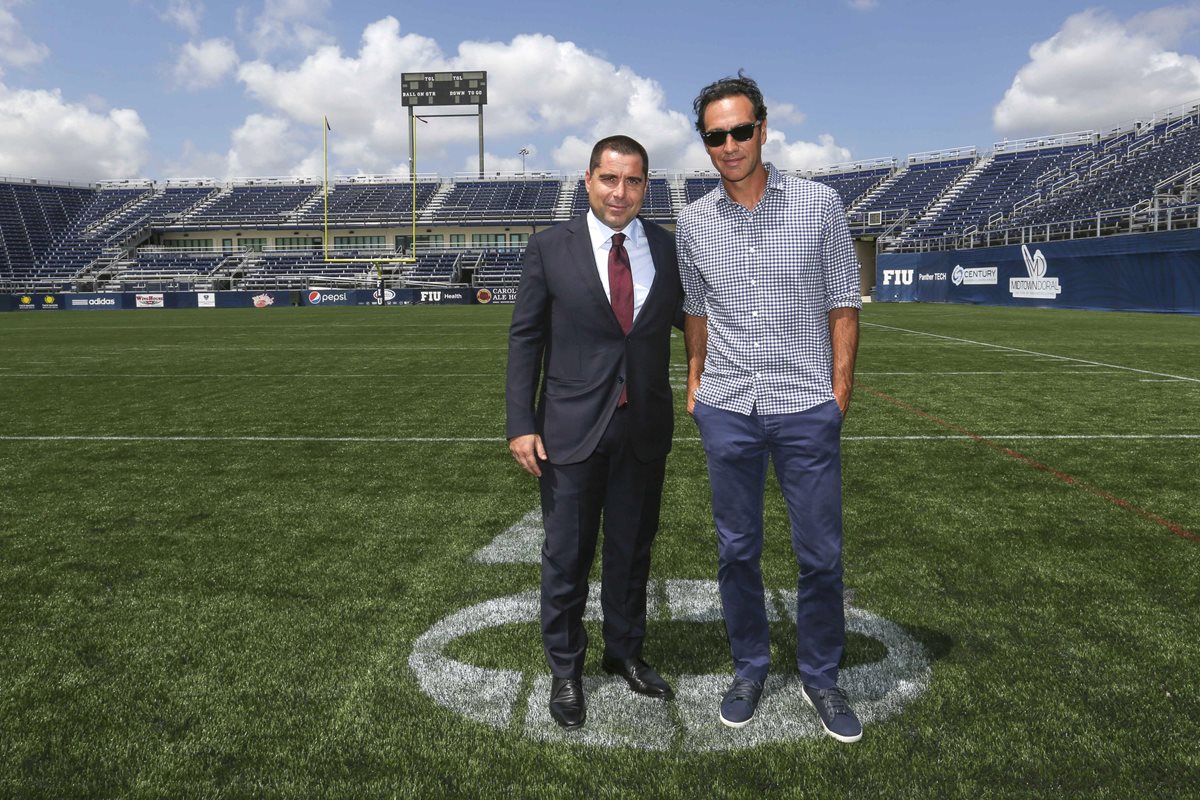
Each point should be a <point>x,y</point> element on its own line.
<point>771,327</point>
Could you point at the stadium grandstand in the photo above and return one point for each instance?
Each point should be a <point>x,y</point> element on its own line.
<point>270,232</point>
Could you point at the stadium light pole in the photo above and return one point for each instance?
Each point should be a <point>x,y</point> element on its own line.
<point>524,151</point>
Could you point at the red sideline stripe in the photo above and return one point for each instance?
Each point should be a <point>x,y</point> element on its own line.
<point>1070,480</point>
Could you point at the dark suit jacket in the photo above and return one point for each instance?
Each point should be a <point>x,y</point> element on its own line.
<point>565,335</point>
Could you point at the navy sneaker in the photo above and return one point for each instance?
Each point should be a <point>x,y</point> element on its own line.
<point>738,704</point>
<point>837,717</point>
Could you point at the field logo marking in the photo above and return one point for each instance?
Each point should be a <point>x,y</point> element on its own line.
<point>619,718</point>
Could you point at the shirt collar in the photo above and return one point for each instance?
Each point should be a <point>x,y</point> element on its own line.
<point>601,233</point>
<point>774,182</point>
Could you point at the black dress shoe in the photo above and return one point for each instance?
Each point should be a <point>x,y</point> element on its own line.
<point>566,702</point>
<point>640,676</point>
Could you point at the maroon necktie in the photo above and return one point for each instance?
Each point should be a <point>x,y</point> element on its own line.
<point>620,292</point>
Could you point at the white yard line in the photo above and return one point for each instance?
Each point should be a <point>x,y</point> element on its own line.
<point>499,440</point>
<point>1019,351</point>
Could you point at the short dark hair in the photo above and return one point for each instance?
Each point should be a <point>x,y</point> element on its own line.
<point>742,85</point>
<point>624,145</point>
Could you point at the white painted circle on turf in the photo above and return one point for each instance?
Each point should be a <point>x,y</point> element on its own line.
<point>619,718</point>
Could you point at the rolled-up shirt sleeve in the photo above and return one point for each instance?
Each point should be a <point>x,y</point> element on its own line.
<point>842,287</point>
<point>694,302</point>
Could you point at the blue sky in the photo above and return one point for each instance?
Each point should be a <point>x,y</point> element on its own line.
<point>205,88</point>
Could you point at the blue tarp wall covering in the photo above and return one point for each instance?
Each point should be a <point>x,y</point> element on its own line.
<point>1143,272</point>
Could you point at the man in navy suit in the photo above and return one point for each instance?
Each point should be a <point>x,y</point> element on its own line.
<point>590,413</point>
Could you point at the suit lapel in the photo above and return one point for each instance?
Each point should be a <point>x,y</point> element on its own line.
<point>658,257</point>
<point>583,257</point>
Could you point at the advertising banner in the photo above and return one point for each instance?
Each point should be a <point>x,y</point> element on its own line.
<point>1146,272</point>
<point>154,300</point>
<point>94,301</point>
<point>446,296</point>
<point>41,301</point>
<point>332,297</point>
<point>496,295</point>
<point>106,301</point>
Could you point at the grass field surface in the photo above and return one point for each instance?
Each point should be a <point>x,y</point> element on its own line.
<point>285,553</point>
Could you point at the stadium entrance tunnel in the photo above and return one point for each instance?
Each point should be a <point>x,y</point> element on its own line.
<point>510,699</point>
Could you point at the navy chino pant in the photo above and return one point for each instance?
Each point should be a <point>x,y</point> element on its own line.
<point>612,485</point>
<point>806,450</point>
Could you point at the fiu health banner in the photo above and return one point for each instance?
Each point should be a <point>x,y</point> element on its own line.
<point>1145,272</point>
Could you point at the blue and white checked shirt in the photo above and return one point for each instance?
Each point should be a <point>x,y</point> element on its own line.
<point>767,280</point>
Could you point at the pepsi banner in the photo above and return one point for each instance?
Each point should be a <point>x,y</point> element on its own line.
<point>332,297</point>
<point>1145,272</point>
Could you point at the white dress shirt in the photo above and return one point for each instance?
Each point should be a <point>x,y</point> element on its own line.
<point>636,246</point>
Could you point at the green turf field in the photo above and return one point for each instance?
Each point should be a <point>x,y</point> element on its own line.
<point>285,553</point>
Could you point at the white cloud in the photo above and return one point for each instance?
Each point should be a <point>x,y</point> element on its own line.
<point>184,14</point>
<point>205,64</point>
<point>863,5</point>
<point>16,47</point>
<point>42,135</point>
<point>803,155</point>
<point>196,163</point>
<point>785,112</point>
<point>493,163</point>
<point>588,98</point>
<point>265,146</point>
<point>514,163</point>
<point>1097,72</point>
<point>292,25</point>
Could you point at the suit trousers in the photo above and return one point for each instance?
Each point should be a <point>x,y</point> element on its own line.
<point>612,485</point>
<point>806,450</point>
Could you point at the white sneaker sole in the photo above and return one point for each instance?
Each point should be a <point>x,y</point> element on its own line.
<point>838,736</point>
<point>735,724</point>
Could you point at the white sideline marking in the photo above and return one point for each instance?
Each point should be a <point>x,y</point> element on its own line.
<point>677,382</point>
<point>499,439</point>
<point>1005,373</point>
<point>243,375</point>
<point>1016,350</point>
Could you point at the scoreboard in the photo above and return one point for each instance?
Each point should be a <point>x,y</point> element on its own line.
<point>443,89</point>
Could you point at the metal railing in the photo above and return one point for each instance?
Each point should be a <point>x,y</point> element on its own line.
<point>1146,217</point>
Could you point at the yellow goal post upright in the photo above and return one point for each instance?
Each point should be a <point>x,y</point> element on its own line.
<point>377,263</point>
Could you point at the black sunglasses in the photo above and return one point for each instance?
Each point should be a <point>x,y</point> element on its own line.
<point>740,134</point>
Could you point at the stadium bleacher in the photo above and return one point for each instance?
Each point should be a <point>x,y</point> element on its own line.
<point>478,202</point>
<point>61,236</point>
<point>904,197</point>
<point>363,203</point>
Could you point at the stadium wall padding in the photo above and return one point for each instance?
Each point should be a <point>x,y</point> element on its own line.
<point>1143,272</point>
<point>116,301</point>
